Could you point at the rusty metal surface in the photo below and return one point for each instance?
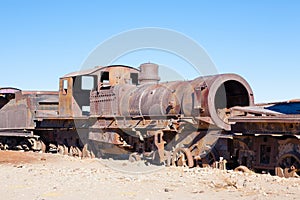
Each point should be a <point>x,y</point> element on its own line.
<point>221,92</point>
<point>185,97</point>
<point>154,100</point>
<point>263,119</point>
<point>76,101</point>
<point>149,73</point>
<point>201,119</point>
<point>16,133</point>
<point>104,102</point>
<point>182,157</point>
<point>9,90</point>
<point>267,119</point>
<point>154,118</point>
<point>208,99</point>
<point>279,155</point>
<point>282,124</point>
<point>105,137</point>
<point>20,111</point>
<point>66,97</point>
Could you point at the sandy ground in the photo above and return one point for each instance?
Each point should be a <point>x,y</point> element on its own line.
<point>28,175</point>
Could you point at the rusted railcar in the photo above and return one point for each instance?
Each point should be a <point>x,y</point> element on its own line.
<point>18,111</point>
<point>128,112</point>
<point>266,137</point>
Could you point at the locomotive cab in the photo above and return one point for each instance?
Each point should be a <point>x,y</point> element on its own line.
<point>75,88</point>
<point>74,95</point>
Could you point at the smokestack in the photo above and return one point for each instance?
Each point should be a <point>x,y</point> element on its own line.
<point>149,73</point>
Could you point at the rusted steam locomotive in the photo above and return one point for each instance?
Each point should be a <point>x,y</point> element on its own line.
<point>124,111</point>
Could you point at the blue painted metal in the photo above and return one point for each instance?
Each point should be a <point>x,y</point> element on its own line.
<point>286,108</point>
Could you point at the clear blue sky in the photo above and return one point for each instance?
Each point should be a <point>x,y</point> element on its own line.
<point>260,40</point>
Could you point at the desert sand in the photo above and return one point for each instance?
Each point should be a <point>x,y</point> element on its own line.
<point>37,176</point>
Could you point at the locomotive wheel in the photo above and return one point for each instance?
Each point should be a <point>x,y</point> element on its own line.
<point>209,159</point>
<point>60,150</point>
<point>182,157</point>
<point>289,162</point>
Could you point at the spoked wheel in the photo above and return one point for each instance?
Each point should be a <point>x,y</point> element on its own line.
<point>288,165</point>
<point>182,157</point>
<point>206,158</point>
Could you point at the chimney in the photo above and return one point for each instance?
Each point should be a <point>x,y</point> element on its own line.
<point>149,73</point>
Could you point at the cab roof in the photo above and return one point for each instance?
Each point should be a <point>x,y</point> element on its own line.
<point>94,70</point>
